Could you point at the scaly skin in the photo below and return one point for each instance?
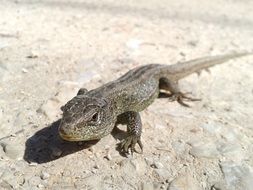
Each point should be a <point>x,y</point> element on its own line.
<point>93,114</point>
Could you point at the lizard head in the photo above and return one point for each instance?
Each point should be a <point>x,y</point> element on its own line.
<point>85,118</point>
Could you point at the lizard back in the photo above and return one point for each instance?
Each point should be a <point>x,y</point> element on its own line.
<point>138,88</point>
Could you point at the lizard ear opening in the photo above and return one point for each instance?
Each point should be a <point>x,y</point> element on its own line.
<point>62,108</point>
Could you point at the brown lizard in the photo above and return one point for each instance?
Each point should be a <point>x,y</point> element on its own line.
<point>93,114</point>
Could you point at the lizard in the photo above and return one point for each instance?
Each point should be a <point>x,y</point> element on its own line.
<point>91,115</point>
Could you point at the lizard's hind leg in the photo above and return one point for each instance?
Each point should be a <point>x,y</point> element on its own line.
<point>174,92</point>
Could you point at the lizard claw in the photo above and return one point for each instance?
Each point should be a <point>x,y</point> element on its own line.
<point>181,97</point>
<point>128,144</point>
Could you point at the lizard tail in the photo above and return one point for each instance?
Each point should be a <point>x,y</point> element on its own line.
<point>181,70</point>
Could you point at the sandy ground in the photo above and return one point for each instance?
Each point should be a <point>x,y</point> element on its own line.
<point>49,49</point>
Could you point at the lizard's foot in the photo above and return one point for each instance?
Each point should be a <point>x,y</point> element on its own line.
<point>129,144</point>
<point>181,97</point>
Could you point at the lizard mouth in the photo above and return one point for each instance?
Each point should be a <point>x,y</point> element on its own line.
<point>69,138</point>
<point>65,136</point>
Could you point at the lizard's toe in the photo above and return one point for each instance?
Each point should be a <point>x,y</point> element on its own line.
<point>128,145</point>
<point>181,97</point>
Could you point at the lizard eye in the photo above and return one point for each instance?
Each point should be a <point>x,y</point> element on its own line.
<point>95,117</point>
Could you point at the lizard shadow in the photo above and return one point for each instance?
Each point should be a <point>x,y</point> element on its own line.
<point>46,145</point>
<point>119,134</point>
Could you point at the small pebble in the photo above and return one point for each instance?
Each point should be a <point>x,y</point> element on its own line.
<point>162,173</point>
<point>158,165</point>
<point>44,175</point>
<point>94,171</point>
<point>108,156</point>
<point>33,55</point>
<point>41,186</point>
<point>33,164</point>
<point>24,70</point>
<point>91,149</point>
<point>66,173</point>
<point>86,171</point>
<point>2,153</point>
<point>133,43</point>
<point>14,151</point>
<point>149,161</point>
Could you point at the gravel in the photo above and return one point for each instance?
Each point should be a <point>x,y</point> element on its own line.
<point>13,150</point>
<point>237,175</point>
<point>184,182</point>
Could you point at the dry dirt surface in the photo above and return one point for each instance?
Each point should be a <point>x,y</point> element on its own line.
<point>51,48</point>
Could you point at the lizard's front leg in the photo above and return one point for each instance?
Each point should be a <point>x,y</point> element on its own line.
<point>134,127</point>
<point>176,94</point>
